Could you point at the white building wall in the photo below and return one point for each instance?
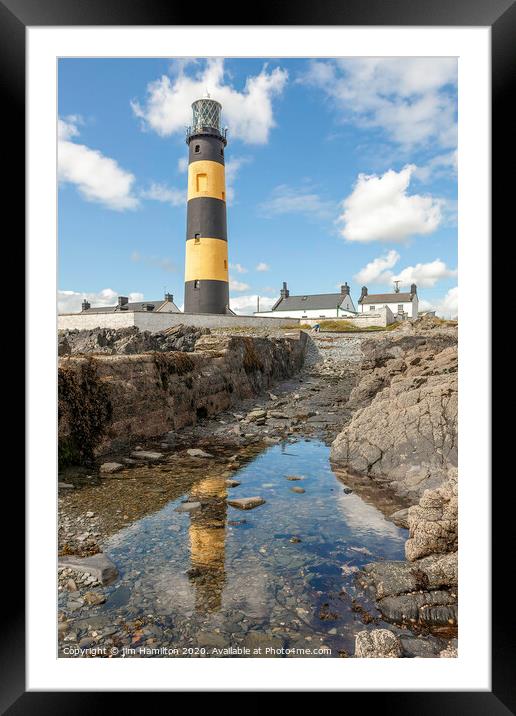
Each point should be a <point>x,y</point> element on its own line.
<point>409,307</point>
<point>315,313</point>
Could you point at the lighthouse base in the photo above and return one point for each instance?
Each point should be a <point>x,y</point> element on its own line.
<point>207,297</point>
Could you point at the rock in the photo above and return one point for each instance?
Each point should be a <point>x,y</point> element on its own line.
<point>278,414</point>
<point>256,414</point>
<point>407,433</point>
<point>298,490</point>
<point>347,490</point>
<point>418,648</point>
<point>65,486</point>
<point>246,503</point>
<point>436,608</point>
<point>377,644</point>
<point>433,523</point>
<point>147,455</point>
<point>295,540</point>
<point>392,578</point>
<point>232,483</point>
<point>89,514</point>
<point>197,452</point>
<point>294,478</point>
<point>125,341</point>
<point>71,585</point>
<point>108,468</point>
<point>188,507</point>
<point>400,518</point>
<point>450,652</point>
<point>98,565</point>
<point>94,598</point>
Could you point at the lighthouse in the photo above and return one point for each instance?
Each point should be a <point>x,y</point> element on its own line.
<point>206,265</point>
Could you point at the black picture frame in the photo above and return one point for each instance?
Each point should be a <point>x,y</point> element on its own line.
<point>500,16</point>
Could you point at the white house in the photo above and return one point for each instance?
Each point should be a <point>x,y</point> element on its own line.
<point>322,305</point>
<point>401,304</point>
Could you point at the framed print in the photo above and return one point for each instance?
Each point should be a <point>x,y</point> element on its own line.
<point>252,394</point>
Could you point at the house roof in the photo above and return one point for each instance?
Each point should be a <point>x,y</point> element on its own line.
<point>136,306</point>
<point>316,301</point>
<point>387,298</point>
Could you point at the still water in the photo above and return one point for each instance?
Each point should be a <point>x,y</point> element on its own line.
<point>282,573</point>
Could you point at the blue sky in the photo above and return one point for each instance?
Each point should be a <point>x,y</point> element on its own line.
<point>337,170</point>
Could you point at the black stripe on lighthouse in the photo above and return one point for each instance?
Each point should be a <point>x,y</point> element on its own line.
<point>206,217</point>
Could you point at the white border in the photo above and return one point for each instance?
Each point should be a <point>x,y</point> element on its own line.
<point>472,669</point>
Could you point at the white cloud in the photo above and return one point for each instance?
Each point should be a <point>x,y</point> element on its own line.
<point>244,305</point>
<point>238,285</point>
<point>238,268</point>
<point>287,200</point>
<point>411,99</point>
<point>380,209</point>
<point>165,194</point>
<point>98,178</point>
<point>446,307</point>
<point>262,266</point>
<point>377,270</point>
<point>438,166</point>
<point>249,113</point>
<point>70,301</point>
<point>425,275</point>
<point>232,168</point>
<point>162,262</point>
<point>182,164</point>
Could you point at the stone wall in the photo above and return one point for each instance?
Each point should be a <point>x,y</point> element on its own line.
<point>155,322</point>
<point>107,402</point>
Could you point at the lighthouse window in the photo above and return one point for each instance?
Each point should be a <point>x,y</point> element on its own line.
<point>197,238</point>
<point>197,148</point>
<point>202,182</point>
<point>225,264</point>
<point>221,152</point>
<point>224,195</point>
<point>196,284</point>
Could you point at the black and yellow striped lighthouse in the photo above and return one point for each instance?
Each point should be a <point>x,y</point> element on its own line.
<point>206,266</point>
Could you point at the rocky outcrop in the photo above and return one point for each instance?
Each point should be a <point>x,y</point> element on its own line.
<point>405,433</point>
<point>433,522</point>
<point>377,644</point>
<point>128,341</point>
<point>423,590</point>
<point>109,402</point>
<point>422,593</point>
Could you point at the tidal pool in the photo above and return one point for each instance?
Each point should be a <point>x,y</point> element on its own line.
<point>280,575</point>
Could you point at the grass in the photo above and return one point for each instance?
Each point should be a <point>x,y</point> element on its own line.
<point>342,326</point>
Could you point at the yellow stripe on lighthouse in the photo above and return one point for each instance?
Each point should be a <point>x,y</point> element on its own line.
<point>206,260</point>
<point>206,178</point>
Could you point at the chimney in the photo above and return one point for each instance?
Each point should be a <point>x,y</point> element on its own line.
<point>345,289</point>
<point>284,293</point>
<point>85,305</point>
<point>413,289</point>
<point>169,297</point>
<point>364,292</point>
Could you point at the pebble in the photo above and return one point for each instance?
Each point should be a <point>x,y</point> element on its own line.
<point>188,507</point>
<point>247,503</point>
<point>298,490</point>
<point>197,452</point>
